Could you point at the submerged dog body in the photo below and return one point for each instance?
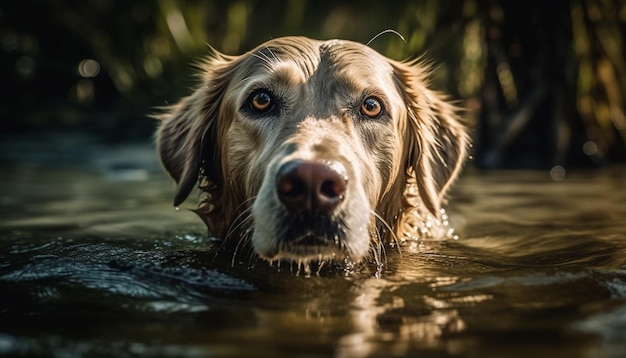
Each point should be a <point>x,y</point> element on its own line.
<point>312,150</point>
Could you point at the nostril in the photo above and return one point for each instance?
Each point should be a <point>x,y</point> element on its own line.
<point>291,187</point>
<point>333,188</point>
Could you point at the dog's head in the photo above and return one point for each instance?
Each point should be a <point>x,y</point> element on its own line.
<point>306,147</point>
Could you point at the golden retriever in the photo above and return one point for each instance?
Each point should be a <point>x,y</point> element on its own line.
<point>314,150</point>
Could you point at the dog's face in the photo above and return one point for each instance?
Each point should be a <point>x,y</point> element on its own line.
<point>306,147</point>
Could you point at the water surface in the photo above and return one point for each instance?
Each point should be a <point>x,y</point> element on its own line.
<point>94,261</point>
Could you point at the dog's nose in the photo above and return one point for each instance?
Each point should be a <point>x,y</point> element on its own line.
<point>311,187</point>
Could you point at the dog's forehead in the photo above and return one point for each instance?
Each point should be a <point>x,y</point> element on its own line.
<point>310,56</point>
<point>335,66</point>
<point>346,51</point>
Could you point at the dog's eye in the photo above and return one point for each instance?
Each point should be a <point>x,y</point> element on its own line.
<point>261,102</point>
<point>371,108</point>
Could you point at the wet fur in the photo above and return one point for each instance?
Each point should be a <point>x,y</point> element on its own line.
<point>400,165</point>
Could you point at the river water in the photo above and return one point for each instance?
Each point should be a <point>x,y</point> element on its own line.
<point>94,261</point>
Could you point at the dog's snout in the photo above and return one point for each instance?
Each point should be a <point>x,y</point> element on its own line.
<point>311,187</point>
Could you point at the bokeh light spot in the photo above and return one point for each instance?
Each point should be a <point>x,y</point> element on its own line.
<point>88,68</point>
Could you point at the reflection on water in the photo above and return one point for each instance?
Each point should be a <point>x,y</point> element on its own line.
<point>96,262</point>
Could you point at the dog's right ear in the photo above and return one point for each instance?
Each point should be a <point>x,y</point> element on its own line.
<point>437,139</point>
<point>187,135</point>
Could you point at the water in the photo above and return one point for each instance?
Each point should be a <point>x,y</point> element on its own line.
<point>94,261</point>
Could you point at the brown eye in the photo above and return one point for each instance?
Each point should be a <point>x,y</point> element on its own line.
<point>261,102</point>
<point>371,108</point>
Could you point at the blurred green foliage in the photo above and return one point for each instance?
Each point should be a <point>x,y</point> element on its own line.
<point>104,64</point>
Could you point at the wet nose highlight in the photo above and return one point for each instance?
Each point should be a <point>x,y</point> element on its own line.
<point>310,187</point>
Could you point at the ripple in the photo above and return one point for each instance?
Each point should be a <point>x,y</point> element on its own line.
<point>118,270</point>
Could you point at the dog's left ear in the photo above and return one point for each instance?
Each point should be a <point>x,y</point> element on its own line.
<point>436,140</point>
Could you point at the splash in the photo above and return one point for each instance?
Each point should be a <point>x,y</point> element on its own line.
<point>418,224</point>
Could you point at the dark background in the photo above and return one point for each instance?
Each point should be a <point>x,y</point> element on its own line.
<point>543,82</point>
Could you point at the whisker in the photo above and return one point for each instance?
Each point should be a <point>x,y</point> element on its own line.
<point>395,238</point>
<point>266,61</point>
<point>252,257</point>
<point>386,32</point>
<point>244,219</point>
<point>374,246</point>
<point>244,216</point>
<point>381,249</point>
<point>263,57</point>
<point>272,53</point>
<point>241,242</point>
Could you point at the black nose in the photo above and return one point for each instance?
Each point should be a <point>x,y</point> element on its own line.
<point>309,187</point>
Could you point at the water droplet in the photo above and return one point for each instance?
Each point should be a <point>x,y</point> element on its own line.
<point>176,208</point>
<point>319,267</point>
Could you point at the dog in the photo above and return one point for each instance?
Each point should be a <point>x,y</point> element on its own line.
<point>314,151</point>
